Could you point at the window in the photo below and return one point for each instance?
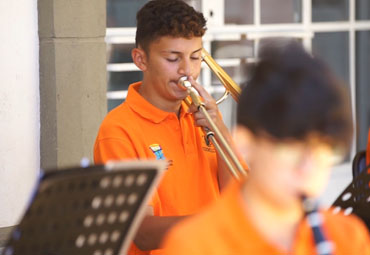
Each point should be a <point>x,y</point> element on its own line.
<point>336,30</point>
<point>362,9</point>
<point>362,87</point>
<point>330,10</point>
<point>121,20</point>
<point>333,48</point>
<point>283,11</point>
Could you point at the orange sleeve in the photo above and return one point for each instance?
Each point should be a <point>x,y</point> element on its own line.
<point>113,149</point>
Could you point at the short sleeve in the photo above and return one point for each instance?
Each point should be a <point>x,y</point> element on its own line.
<point>113,149</point>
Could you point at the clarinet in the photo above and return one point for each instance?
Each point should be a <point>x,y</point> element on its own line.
<point>315,220</point>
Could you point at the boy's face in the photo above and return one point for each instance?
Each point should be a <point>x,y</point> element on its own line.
<point>282,171</point>
<point>169,58</point>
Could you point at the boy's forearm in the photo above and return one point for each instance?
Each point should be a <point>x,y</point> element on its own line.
<point>153,229</point>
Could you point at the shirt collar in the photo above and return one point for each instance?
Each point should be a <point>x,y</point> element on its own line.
<point>148,111</point>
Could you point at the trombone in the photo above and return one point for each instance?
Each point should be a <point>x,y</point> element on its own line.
<point>214,134</point>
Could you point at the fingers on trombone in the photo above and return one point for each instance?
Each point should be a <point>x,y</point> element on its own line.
<point>201,90</point>
<point>202,123</point>
<point>192,108</point>
<point>201,120</point>
<point>198,115</point>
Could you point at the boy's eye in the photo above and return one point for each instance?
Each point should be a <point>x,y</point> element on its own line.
<point>195,58</point>
<point>172,59</point>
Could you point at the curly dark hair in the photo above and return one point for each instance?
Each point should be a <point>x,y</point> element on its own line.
<point>292,95</point>
<point>167,18</point>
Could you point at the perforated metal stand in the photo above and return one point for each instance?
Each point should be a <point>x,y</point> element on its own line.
<point>356,198</point>
<point>85,211</point>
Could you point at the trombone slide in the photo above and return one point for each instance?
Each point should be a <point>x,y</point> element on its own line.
<point>220,143</point>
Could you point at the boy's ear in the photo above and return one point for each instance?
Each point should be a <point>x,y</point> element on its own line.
<point>243,139</point>
<point>140,58</point>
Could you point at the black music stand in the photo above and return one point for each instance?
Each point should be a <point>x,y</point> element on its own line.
<point>356,197</point>
<point>85,211</point>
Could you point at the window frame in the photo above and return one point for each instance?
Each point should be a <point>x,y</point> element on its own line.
<point>217,30</point>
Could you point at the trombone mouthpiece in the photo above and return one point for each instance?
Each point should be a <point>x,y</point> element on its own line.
<point>183,81</point>
<point>193,93</point>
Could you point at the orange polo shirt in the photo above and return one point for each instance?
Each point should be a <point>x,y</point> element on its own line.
<point>138,130</point>
<point>224,229</point>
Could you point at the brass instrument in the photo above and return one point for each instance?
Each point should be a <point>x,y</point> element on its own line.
<point>214,135</point>
<point>229,84</point>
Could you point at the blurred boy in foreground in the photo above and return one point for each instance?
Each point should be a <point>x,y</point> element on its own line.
<point>293,118</point>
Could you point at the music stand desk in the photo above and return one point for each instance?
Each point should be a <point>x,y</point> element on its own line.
<point>86,211</point>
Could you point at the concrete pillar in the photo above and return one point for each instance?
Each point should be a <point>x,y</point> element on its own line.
<point>72,78</point>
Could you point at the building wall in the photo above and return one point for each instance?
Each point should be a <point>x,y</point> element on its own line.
<point>72,79</point>
<point>19,106</point>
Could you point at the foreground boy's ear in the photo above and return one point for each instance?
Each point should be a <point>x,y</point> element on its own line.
<point>243,139</point>
<point>139,58</point>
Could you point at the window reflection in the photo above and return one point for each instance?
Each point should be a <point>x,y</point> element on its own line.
<point>333,48</point>
<point>282,11</point>
<point>119,53</point>
<point>232,49</point>
<point>362,9</point>
<point>239,12</point>
<point>238,50</point>
<point>330,10</point>
<point>113,103</point>
<point>362,87</point>
<point>122,13</point>
<point>227,109</point>
<point>119,81</point>
<point>238,73</point>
